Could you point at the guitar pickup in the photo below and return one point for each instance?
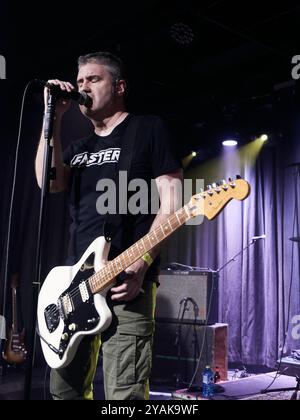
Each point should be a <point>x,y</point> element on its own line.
<point>84,291</point>
<point>65,305</point>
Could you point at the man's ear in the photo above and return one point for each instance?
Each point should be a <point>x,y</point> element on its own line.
<point>120,87</point>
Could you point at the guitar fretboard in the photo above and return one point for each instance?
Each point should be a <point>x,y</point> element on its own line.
<point>103,278</point>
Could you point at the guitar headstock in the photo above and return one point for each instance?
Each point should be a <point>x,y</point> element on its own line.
<point>210,202</point>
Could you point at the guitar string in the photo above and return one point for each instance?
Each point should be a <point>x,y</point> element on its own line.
<point>183,211</point>
<point>176,216</point>
<point>107,273</point>
<point>180,212</point>
<point>76,291</point>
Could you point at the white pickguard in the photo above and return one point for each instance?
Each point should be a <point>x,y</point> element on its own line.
<point>57,281</point>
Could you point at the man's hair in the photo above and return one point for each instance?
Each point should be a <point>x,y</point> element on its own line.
<point>112,62</point>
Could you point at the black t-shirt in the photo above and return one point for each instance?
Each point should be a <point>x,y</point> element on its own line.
<point>95,158</point>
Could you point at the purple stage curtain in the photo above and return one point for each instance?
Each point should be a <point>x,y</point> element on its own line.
<point>259,291</point>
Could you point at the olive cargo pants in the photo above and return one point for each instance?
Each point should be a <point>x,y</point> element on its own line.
<point>127,354</point>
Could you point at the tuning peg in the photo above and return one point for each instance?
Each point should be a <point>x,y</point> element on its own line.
<point>224,184</point>
<point>231,182</point>
<point>238,177</point>
<point>214,185</point>
<point>208,187</point>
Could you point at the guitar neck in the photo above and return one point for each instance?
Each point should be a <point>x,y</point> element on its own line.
<point>105,277</point>
<point>14,310</point>
<point>208,203</point>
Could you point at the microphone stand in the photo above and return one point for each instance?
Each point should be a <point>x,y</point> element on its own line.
<point>178,338</point>
<point>46,176</point>
<point>253,240</point>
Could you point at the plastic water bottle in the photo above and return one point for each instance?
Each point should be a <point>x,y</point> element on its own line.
<point>207,382</point>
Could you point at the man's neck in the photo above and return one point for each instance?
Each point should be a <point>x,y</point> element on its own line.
<point>105,126</point>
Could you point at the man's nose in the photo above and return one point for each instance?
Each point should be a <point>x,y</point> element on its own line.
<point>85,86</point>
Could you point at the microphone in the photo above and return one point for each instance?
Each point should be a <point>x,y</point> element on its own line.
<point>81,97</point>
<point>258,237</point>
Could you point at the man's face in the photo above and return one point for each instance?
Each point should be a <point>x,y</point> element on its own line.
<point>97,82</point>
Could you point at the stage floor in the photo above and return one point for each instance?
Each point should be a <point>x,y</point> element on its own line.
<point>254,387</point>
<point>12,387</point>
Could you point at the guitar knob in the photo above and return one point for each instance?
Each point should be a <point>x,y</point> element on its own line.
<point>73,327</point>
<point>65,336</point>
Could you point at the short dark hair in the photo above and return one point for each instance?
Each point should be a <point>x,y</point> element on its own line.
<point>114,64</point>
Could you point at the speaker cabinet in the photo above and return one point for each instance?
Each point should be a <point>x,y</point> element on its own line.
<point>188,296</point>
<point>178,346</point>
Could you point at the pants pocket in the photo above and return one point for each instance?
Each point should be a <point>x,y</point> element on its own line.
<point>133,359</point>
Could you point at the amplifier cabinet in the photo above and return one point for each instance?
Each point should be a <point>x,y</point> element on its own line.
<point>178,346</point>
<point>188,296</point>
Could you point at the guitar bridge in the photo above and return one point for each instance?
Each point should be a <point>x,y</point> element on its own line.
<point>65,305</point>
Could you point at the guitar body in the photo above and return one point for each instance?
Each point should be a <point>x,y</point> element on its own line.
<point>67,312</point>
<point>15,351</point>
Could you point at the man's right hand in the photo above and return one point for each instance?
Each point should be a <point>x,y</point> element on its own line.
<point>62,105</point>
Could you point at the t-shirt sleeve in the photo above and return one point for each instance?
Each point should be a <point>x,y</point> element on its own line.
<point>163,159</point>
<point>67,155</point>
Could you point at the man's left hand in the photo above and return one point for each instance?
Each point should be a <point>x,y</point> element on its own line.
<point>132,283</point>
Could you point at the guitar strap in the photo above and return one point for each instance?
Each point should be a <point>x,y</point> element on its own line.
<point>114,221</point>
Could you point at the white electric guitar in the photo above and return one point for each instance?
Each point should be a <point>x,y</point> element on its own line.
<point>72,302</point>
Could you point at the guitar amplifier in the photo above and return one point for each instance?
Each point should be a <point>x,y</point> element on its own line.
<point>181,350</point>
<point>187,296</point>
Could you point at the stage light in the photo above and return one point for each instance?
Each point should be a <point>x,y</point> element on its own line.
<point>229,143</point>
<point>188,159</point>
<point>264,137</point>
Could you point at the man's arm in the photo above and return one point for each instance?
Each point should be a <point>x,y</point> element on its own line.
<point>170,188</point>
<point>62,172</point>
<point>170,201</point>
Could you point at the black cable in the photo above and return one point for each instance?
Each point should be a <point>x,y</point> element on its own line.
<point>11,204</point>
<point>205,329</point>
<point>179,333</point>
<point>214,274</point>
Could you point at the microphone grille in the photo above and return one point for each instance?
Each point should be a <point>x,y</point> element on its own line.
<point>85,99</point>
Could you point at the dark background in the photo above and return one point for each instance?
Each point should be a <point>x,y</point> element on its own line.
<point>227,68</point>
<point>223,64</point>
